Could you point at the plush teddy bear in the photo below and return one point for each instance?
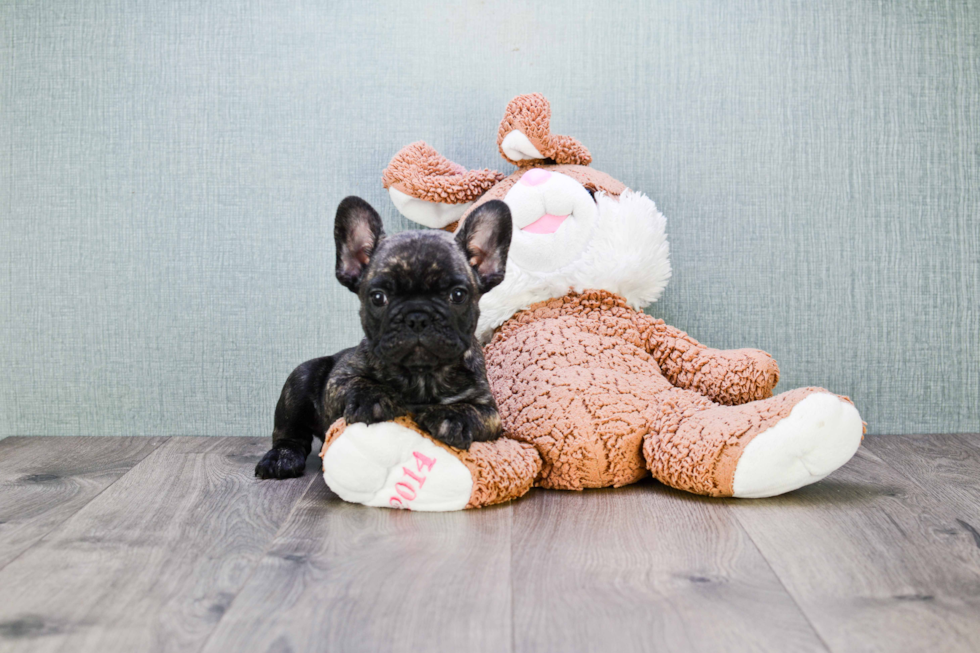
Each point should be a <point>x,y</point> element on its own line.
<point>592,391</point>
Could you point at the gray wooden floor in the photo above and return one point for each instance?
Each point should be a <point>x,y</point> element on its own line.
<point>170,544</point>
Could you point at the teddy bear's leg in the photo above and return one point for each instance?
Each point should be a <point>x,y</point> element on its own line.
<point>759,449</point>
<point>396,465</point>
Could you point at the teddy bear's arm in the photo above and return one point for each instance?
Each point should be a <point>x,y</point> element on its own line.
<point>727,376</point>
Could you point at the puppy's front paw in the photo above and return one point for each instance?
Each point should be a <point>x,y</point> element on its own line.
<point>371,407</point>
<point>281,463</point>
<point>447,426</point>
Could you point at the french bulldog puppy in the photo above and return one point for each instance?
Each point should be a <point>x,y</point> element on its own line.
<point>420,294</point>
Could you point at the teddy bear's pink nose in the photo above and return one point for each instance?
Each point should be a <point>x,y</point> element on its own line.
<point>535,177</point>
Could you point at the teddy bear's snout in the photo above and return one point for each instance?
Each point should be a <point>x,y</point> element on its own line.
<point>535,177</point>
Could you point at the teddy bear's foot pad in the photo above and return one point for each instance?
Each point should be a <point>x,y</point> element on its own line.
<point>389,465</point>
<point>820,434</point>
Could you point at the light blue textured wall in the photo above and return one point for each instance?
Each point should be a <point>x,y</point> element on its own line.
<point>169,171</point>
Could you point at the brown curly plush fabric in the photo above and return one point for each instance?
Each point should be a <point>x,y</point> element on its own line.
<point>606,393</point>
<point>502,470</point>
<point>531,114</point>
<point>687,439</point>
<point>418,170</point>
<point>730,377</point>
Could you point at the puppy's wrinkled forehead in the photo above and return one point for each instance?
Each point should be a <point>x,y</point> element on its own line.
<point>420,261</point>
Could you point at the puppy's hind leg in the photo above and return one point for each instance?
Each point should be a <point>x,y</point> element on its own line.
<point>297,420</point>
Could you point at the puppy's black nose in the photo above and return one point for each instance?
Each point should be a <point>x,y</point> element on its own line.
<point>417,321</point>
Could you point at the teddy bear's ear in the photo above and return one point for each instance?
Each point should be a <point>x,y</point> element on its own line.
<point>431,190</point>
<point>525,137</point>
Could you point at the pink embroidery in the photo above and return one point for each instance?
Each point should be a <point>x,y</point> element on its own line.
<point>404,488</point>
<point>405,492</point>
<point>418,479</point>
<point>423,461</point>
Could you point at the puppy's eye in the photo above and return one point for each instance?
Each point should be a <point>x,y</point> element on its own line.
<point>458,295</point>
<point>591,191</point>
<point>378,298</point>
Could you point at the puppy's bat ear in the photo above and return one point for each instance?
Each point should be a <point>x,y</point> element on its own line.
<point>485,240</point>
<point>357,230</point>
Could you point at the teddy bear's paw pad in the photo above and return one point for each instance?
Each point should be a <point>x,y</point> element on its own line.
<point>388,465</point>
<point>820,434</point>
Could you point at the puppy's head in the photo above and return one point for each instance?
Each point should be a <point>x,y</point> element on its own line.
<point>420,290</point>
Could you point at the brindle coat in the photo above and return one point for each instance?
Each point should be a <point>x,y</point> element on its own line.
<point>419,293</point>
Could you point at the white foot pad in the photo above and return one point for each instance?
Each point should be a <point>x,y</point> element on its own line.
<point>820,434</point>
<point>388,465</point>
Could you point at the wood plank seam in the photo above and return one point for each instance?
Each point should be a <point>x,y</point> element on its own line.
<point>782,584</point>
<point>260,558</point>
<point>55,527</point>
<point>930,490</point>
<point>175,596</point>
<point>894,583</point>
